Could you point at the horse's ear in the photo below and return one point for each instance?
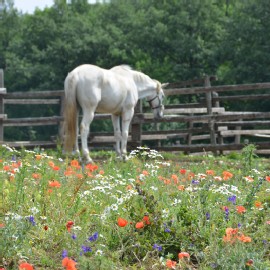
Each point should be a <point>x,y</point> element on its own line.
<point>164,85</point>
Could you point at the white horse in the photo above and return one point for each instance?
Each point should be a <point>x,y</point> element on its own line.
<point>115,91</point>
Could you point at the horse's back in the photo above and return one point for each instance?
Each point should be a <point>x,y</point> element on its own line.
<point>102,89</point>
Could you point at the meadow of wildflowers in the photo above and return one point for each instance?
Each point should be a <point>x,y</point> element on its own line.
<point>149,212</point>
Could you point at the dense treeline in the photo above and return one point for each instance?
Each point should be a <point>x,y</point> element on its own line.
<point>171,40</point>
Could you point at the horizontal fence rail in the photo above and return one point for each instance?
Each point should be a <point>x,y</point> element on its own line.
<point>204,125</point>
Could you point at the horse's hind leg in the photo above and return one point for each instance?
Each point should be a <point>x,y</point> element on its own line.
<point>126,119</point>
<point>117,133</point>
<point>88,116</point>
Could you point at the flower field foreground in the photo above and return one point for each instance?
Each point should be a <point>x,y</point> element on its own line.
<point>146,213</point>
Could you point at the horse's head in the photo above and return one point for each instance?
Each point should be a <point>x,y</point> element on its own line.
<point>156,101</point>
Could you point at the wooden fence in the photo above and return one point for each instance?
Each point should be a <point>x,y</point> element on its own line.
<point>199,124</point>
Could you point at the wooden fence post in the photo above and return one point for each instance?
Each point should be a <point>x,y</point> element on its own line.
<point>136,128</point>
<point>61,124</point>
<point>211,123</point>
<point>2,92</point>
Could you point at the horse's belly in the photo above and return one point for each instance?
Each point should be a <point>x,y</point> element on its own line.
<point>104,107</point>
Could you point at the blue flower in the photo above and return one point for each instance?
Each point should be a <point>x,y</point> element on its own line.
<point>86,249</point>
<point>94,237</point>
<point>166,228</point>
<point>207,215</point>
<point>73,236</point>
<point>195,182</point>
<point>64,254</point>
<point>157,247</point>
<point>232,199</point>
<point>227,213</point>
<point>32,220</point>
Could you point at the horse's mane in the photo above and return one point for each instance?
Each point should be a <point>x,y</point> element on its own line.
<point>140,76</point>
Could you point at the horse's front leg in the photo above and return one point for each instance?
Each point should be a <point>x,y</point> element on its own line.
<point>117,133</point>
<point>88,117</point>
<point>126,119</point>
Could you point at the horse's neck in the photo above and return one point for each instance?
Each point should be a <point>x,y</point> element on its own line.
<point>146,86</point>
<point>146,92</point>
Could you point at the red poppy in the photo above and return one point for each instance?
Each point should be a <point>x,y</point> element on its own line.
<point>139,225</point>
<point>91,167</point>
<point>69,225</point>
<point>69,264</point>
<point>51,164</point>
<point>38,157</point>
<point>258,204</point>
<point>183,171</point>
<point>129,187</point>
<point>122,222</point>
<point>55,184</point>
<point>56,168</point>
<point>75,164</point>
<point>243,238</point>
<point>191,175</point>
<point>227,175</point>
<point>69,171</point>
<point>249,262</point>
<point>240,209</point>
<point>146,220</point>
<point>6,168</point>
<point>26,266</point>
<point>232,235</point>
<point>45,227</point>
<point>79,175</point>
<point>36,175</point>
<point>182,255</point>
<point>144,172</point>
<point>174,178</point>
<point>267,178</point>
<point>181,187</point>
<point>170,264</point>
<point>210,172</point>
<point>2,225</point>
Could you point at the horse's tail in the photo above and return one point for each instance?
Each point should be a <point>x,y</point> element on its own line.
<point>70,112</point>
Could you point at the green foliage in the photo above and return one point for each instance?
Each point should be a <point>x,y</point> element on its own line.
<point>53,207</point>
<point>169,40</point>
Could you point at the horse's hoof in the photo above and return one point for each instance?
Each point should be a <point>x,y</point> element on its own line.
<point>88,161</point>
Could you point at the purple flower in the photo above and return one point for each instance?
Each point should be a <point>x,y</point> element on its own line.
<point>86,249</point>
<point>73,236</point>
<point>157,247</point>
<point>232,199</point>
<point>32,220</point>
<point>227,213</point>
<point>195,182</point>
<point>166,228</point>
<point>207,215</point>
<point>94,237</point>
<point>64,254</point>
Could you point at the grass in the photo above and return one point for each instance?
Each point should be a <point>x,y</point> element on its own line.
<point>155,211</point>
